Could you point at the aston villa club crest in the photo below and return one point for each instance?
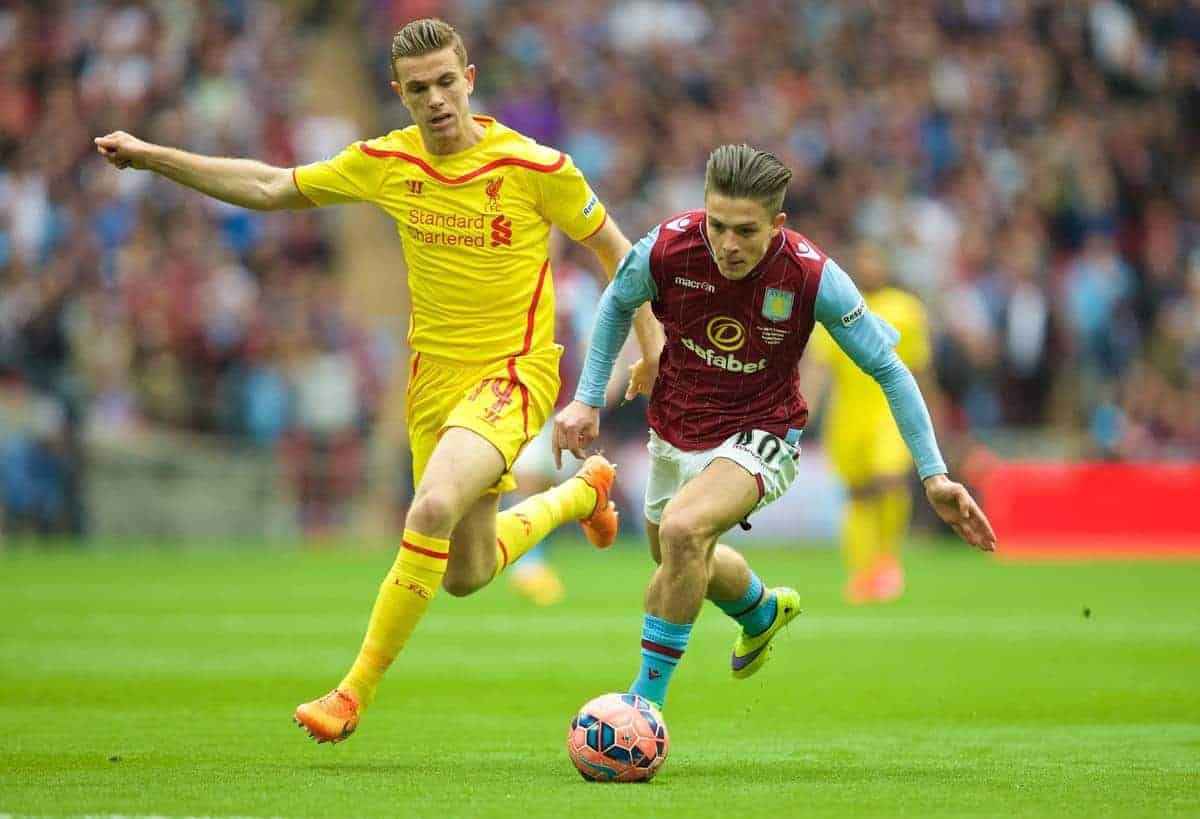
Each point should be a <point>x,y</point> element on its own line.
<point>777,304</point>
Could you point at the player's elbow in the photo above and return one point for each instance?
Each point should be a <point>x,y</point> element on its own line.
<point>277,191</point>
<point>887,369</point>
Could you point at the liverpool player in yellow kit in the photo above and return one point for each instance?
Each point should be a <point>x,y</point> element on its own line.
<point>863,443</point>
<point>473,202</point>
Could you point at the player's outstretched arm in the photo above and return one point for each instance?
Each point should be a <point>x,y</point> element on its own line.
<point>578,425</point>
<point>870,343</point>
<point>954,504</point>
<point>244,182</point>
<point>610,246</point>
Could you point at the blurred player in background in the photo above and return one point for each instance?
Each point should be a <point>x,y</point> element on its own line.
<point>864,446</point>
<point>738,296</point>
<point>473,202</point>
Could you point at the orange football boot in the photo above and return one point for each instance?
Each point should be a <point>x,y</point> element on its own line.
<point>888,581</point>
<point>600,526</point>
<point>332,718</point>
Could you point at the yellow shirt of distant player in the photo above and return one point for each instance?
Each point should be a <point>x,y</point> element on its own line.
<point>475,227</point>
<point>857,401</point>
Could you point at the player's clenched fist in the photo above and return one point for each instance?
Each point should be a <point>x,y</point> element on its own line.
<point>575,427</point>
<point>123,150</point>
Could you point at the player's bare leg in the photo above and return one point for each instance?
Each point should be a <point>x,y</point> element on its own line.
<point>477,554</point>
<point>473,560</point>
<point>729,575</point>
<point>485,543</point>
<point>461,469</point>
<point>532,576</point>
<point>732,585</point>
<point>703,510</point>
<point>685,545</point>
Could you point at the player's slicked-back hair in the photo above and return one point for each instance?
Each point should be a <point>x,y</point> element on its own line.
<point>743,172</point>
<point>424,36</point>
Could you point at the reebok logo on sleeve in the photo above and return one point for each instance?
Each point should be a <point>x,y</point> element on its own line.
<point>855,314</point>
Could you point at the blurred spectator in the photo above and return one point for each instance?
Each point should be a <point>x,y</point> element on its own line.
<point>129,303</point>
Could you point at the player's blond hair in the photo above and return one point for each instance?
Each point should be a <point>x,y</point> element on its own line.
<point>744,172</point>
<point>424,36</point>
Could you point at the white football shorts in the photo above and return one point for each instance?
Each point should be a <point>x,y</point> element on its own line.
<point>767,457</point>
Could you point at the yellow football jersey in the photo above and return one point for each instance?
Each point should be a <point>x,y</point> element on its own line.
<point>475,228</point>
<point>857,400</point>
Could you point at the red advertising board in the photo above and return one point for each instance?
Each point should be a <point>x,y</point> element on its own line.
<point>1094,510</point>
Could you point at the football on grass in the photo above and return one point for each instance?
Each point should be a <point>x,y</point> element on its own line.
<point>618,738</point>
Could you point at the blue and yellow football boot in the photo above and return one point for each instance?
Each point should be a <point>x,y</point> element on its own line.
<point>751,653</point>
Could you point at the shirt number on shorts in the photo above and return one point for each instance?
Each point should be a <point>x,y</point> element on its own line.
<point>767,446</point>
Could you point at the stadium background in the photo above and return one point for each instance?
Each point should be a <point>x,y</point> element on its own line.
<point>173,367</point>
<point>197,409</point>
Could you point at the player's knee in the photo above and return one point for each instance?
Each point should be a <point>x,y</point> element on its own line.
<point>431,513</point>
<point>681,540</point>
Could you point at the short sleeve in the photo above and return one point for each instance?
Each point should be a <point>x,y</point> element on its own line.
<point>568,202</point>
<point>350,176</point>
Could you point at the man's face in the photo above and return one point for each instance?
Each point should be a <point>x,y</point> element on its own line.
<point>435,88</point>
<point>739,231</point>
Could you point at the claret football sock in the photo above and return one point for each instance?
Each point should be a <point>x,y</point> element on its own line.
<point>403,598</point>
<point>754,611</point>
<point>663,644</point>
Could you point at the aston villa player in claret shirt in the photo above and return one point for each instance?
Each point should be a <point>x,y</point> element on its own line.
<point>738,295</point>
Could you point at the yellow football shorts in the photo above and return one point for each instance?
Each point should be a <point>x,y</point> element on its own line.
<point>505,401</point>
<point>862,453</point>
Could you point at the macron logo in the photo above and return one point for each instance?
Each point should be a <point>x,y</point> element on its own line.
<point>679,225</point>
<point>695,285</point>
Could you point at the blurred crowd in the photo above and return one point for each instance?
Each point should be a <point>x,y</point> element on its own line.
<point>127,302</point>
<point>1032,168</point>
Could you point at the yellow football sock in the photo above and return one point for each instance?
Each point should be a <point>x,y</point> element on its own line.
<point>860,533</point>
<point>525,525</point>
<point>895,510</point>
<point>403,597</point>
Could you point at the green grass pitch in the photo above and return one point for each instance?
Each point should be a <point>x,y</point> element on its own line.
<point>162,682</point>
